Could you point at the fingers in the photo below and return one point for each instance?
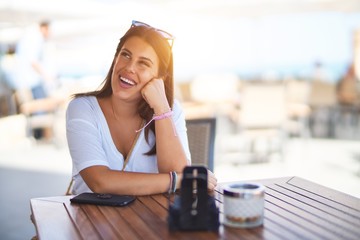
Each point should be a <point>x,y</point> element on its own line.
<point>152,89</point>
<point>212,180</point>
<point>154,94</point>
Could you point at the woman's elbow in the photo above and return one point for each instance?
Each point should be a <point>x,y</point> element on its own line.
<point>181,165</point>
<point>94,179</point>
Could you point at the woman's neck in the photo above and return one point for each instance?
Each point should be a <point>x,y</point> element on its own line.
<point>123,109</point>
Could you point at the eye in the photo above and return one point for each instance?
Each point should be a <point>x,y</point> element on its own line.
<point>144,63</point>
<point>125,54</point>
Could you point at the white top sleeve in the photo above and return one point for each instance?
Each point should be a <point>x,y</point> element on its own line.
<point>90,142</point>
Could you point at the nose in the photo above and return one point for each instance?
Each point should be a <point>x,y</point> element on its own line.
<point>130,67</point>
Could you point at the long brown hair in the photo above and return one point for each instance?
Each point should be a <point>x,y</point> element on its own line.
<point>164,53</point>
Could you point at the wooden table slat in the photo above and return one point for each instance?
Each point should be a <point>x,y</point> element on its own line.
<point>154,206</point>
<point>152,216</point>
<point>339,205</point>
<point>299,219</point>
<point>163,199</point>
<point>81,221</point>
<point>99,221</point>
<point>326,222</point>
<point>331,207</point>
<point>48,215</point>
<point>279,231</point>
<point>332,219</point>
<point>142,228</point>
<point>118,223</point>
<point>296,231</point>
<point>264,233</point>
<point>348,201</point>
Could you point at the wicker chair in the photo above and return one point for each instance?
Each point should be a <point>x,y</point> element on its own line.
<point>201,136</point>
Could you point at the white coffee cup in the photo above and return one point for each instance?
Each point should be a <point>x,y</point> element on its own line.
<point>243,204</point>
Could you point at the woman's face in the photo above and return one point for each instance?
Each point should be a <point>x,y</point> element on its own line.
<point>135,65</point>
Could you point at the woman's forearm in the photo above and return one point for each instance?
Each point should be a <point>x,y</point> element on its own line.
<point>101,179</point>
<point>170,153</point>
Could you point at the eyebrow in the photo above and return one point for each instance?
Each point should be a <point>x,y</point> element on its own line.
<point>143,58</point>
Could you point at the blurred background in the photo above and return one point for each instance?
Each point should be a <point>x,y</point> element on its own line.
<point>281,77</point>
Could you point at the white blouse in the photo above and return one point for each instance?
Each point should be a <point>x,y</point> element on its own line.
<point>90,142</point>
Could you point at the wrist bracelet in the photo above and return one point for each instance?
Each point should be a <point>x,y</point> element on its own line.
<point>171,182</point>
<point>157,117</point>
<point>162,116</point>
<point>174,178</point>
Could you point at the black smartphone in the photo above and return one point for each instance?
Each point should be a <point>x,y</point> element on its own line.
<point>103,199</point>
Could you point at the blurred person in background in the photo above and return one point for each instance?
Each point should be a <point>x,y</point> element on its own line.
<point>346,114</point>
<point>35,73</point>
<point>129,137</point>
<point>348,88</point>
<point>7,68</point>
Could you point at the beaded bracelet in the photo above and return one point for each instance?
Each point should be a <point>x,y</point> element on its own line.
<point>171,182</point>
<point>174,178</point>
<point>157,117</point>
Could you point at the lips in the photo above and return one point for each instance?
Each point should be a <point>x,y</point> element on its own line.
<point>127,81</point>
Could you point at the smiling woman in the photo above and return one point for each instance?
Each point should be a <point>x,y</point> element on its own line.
<point>109,152</point>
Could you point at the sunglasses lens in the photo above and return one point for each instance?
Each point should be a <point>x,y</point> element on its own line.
<point>166,35</point>
<point>137,24</point>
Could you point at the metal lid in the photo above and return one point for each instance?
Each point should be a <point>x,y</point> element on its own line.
<point>244,190</point>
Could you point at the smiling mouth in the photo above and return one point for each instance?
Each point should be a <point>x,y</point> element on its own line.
<point>127,81</point>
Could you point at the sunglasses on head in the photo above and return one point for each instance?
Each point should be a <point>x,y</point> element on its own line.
<point>163,33</point>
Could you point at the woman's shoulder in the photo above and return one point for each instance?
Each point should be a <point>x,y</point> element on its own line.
<point>82,104</point>
<point>82,101</point>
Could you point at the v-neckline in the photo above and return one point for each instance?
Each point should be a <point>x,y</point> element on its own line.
<point>126,160</point>
<point>109,138</point>
<point>105,126</point>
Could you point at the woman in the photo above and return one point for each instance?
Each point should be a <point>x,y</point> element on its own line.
<point>129,137</point>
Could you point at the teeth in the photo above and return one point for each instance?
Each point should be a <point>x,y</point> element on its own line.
<point>127,81</point>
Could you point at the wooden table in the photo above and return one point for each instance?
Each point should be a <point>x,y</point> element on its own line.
<point>294,209</point>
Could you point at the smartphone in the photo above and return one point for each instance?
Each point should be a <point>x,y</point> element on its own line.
<point>103,199</point>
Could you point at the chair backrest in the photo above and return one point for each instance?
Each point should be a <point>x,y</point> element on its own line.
<point>201,136</point>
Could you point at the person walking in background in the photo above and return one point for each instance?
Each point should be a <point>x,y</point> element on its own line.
<point>35,75</point>
<point>129,137</point>
<point>348,88</point>
<point>32,72</point>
